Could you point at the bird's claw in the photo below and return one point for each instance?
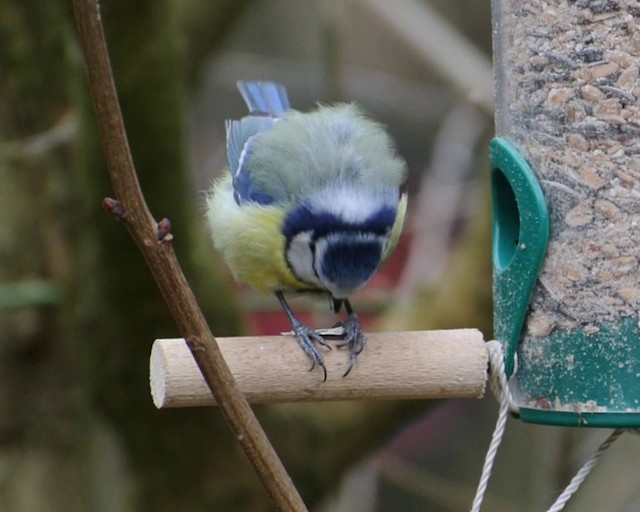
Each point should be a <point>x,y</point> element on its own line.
<point>353,338</point>
<point>307,338</point>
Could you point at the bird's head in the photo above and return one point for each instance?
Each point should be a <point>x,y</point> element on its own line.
<point>336,239</point>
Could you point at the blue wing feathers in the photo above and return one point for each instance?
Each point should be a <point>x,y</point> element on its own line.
<point>266,101</point>
<point>242,188</point>
<point>234,144</point>
<point>239,132</point>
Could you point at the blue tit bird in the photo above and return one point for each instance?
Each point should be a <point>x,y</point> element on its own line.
<point>313,202</point>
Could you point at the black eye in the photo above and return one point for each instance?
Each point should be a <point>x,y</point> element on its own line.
<point>312,246</point>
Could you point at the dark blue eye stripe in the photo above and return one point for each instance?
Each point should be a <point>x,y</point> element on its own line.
<point>321,224</point>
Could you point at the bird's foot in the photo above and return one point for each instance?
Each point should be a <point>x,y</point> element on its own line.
<point>307,338</point>
<point>354,339</point>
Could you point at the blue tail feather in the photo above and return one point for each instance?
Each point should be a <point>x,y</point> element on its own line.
<point>264,97</point>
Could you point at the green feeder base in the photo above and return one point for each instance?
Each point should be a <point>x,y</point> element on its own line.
<point>581,419</point>
<point>578,378</point>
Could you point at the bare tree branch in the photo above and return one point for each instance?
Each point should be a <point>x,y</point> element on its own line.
<point>153,240</point>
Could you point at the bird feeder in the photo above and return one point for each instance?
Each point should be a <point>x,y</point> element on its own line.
<point>565,173</point>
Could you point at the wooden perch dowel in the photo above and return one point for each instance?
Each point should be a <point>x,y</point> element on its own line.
<point>400,365</point>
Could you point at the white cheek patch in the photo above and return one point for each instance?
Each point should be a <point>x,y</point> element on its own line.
<point>300,258</point>
<point>321,249</point>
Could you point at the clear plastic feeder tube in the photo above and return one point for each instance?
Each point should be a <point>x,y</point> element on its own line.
<point>567,86</point>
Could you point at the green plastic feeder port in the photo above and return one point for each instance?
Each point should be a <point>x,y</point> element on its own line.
<point>520,236</point>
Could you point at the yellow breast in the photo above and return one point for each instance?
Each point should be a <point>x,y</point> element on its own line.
<point>251,240</point>
<point>396,231</point>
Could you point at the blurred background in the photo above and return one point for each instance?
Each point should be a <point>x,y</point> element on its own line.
<point>79,311</point>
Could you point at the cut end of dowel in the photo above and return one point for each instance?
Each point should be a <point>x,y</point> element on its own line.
<point>157,376</point>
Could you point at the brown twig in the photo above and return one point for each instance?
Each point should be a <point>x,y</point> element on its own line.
<point>152,239</point>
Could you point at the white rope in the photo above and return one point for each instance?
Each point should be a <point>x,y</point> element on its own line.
<point>500,387</point>
<point>581,475</point>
